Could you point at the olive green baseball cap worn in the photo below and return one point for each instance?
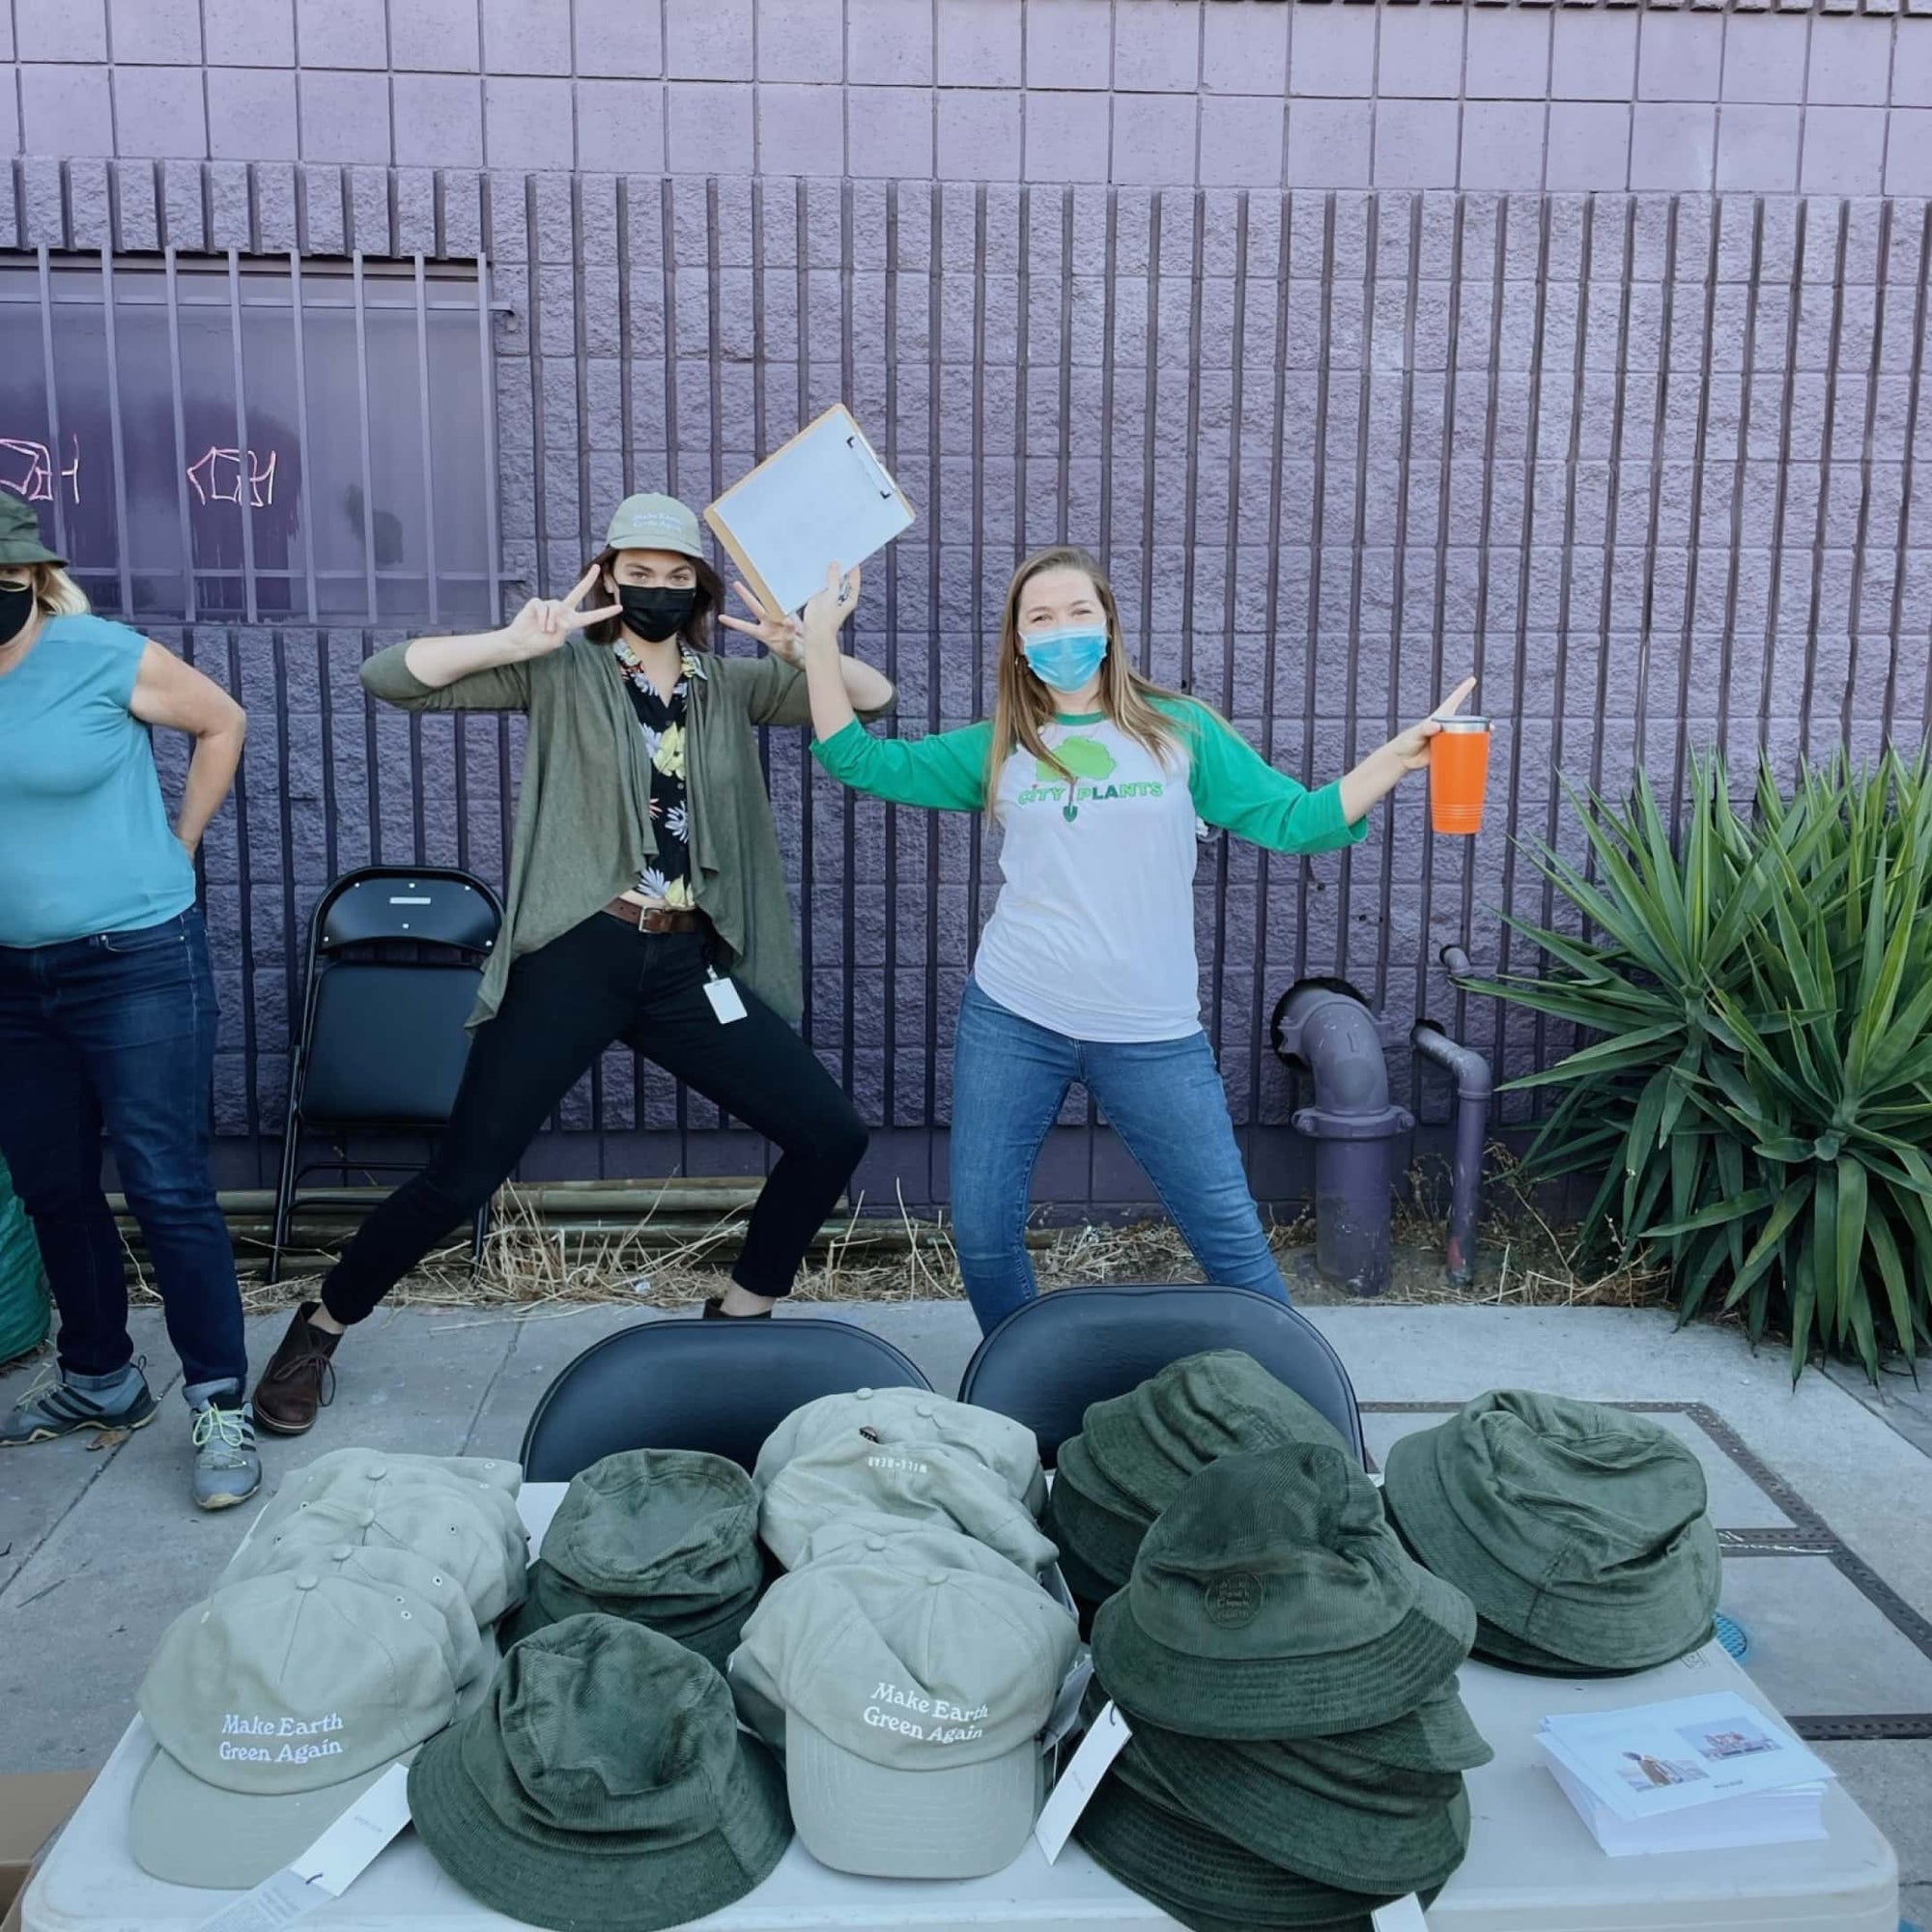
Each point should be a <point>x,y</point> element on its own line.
<point>459,1527</point>
<point>1148,1441</point>
<point>1271,1600</point>
<point>892,1416</point>
<point>604,1782</point>
<point>273,1705</point>
<point>929,1481</point>
<point>1579,1531</point>
<point>653,522</point>
<point>20,534</point>
<point>1156,1849</point>
<point>914,1700</point>
<point>664,1537</point>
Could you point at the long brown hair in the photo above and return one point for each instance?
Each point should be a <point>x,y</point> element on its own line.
<point>710,601</point>
<point>1025,706</point>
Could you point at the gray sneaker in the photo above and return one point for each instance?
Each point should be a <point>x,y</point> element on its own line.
<point>56,1404</point>
<point>227,1471</point>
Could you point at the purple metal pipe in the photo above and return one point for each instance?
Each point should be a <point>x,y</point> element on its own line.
<point>1354,1127</point>
<point>1474,1089</point>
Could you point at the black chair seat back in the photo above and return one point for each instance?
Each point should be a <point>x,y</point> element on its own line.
<point>386,1043</point>
<point>720,1386</point>
<point>1045,1362</point>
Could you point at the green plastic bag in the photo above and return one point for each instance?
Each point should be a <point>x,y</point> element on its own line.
<point>25,1312</point>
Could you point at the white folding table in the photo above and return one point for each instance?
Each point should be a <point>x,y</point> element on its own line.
<point>1532,1866</point>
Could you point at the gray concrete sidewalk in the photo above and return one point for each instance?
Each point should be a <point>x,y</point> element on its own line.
<point>1827,1488</point>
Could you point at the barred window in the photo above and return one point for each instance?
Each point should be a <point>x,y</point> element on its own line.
<point>252,438</point>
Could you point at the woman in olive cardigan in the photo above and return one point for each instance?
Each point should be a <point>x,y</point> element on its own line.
<point>646,904</point>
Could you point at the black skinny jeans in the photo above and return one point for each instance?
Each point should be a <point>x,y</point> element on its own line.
<point>605,980</point>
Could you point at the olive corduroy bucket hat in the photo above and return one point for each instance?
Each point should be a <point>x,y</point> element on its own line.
<point>605,1782</point>
<point>661,1537</point>
<point>1579,1531</point>
<point>1101,1527</point>
<point>1148,1441</point>
<point>21,535</point>
<point>1271,1600</point>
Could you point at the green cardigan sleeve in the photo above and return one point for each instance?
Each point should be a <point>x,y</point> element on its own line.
<point>1237,788</point>
<point>505,688</point>
<point>775,693</point>
<point>945,769</point>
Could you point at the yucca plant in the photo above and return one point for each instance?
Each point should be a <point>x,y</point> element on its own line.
<point>1760,1098</point>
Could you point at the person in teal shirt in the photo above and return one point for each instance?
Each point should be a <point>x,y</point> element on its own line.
<point>1101,783</point>
<point>107,1008</point>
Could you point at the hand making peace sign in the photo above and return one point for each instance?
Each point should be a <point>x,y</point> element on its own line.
<point>543,624</point>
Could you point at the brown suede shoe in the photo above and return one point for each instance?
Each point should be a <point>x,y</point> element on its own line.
<point>299,1378</point>
<point>714,1311</point>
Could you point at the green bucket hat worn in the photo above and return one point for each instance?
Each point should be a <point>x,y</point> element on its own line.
<point>654,522</point>
<point>1273,1600</point>
<point>889,1416</point>
<point>1578,1530</point>
<point>20,534</point>
<point>661,1537</point>
<point>1148,1441</point>
<point>1156,1849</point>
<point>1084,1514</point>
<point>1358,1836</point>
<point>930,1482</point>
<point>605,1781</point>
<point>458,1527</point>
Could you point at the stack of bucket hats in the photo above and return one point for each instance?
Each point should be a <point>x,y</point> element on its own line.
<point>907,1674</point>
<point>667,1538</point>
<point>605,1782</point>
<point>904,1453</point>
<point>1135,1451</point>
<point>1581,1533</point>
<point>1289,1675</point>
<point>348,1630</point>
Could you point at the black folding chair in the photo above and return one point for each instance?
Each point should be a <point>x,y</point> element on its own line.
<point>720,1386</point>
<point>394,958</point>
<point>1045,1362</point>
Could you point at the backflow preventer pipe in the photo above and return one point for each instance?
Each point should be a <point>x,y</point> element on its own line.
<point>1353,1125</point>
<point>1475,1088</point>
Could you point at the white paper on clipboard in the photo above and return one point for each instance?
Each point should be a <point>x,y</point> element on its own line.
<point>824,497</point>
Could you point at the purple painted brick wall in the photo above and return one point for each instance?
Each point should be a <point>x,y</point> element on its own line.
<point>1652,462</point>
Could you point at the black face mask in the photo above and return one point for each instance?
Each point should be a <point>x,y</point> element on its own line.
<point>17,607</point>
<point>655,614</point>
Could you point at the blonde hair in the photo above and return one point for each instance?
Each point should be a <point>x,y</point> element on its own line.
<point>1025,705</point>
<point>57,593</point>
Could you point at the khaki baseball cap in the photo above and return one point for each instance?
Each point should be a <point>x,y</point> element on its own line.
<point>655,523</point>
<point>914,1699</point>
<point>273,1705</point>
<point>928,1481</point>
<point>901,1415</point>
<point>463,1529</point>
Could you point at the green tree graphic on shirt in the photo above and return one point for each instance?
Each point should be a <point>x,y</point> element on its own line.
<point>1084,758</point>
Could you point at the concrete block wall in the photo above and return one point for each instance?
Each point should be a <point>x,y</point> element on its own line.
<point>1650,457</point>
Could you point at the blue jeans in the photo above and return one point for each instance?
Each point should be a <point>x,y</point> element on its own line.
<point>1163,1097</point>
<point>116,1033</point>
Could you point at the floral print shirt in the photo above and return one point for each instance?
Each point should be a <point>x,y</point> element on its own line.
<point>666,882</point>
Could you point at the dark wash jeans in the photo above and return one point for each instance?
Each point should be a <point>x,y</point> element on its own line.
<point>605,980</point>
<point>116,1033</point>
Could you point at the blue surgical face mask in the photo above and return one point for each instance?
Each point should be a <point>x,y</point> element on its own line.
<point>1067,657</point>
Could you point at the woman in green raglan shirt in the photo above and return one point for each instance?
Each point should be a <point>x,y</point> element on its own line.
<point>1086,969</point>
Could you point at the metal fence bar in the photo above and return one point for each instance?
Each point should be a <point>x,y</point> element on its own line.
<point>428,441</point>
<point>304,492</point>
<point>110,341</point>
<point>362,425</point>
<point>191,589</point>
<point>244,488</point>
<point>61,543</point>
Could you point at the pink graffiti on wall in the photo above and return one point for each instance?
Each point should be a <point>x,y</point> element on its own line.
<point>223,476</point>
<point>28,469</point>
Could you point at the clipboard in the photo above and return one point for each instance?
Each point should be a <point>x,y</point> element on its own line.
<point>824,497</point>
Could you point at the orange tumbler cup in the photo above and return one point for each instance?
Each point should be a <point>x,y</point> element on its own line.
<point>1459,774</point>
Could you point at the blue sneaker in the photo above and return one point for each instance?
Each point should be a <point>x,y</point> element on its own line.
<point>227,1471</point>
<point>56,1404</point>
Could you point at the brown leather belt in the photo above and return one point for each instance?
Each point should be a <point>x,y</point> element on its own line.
<point>657,918</point>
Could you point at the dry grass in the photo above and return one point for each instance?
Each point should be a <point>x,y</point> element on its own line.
<point>528,1265</point>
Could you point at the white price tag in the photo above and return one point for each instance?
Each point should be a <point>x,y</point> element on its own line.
<point>725,1001</point>
<point>1405,1915</point>
<point>1079,1781</point>
<point>330,1867</point>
